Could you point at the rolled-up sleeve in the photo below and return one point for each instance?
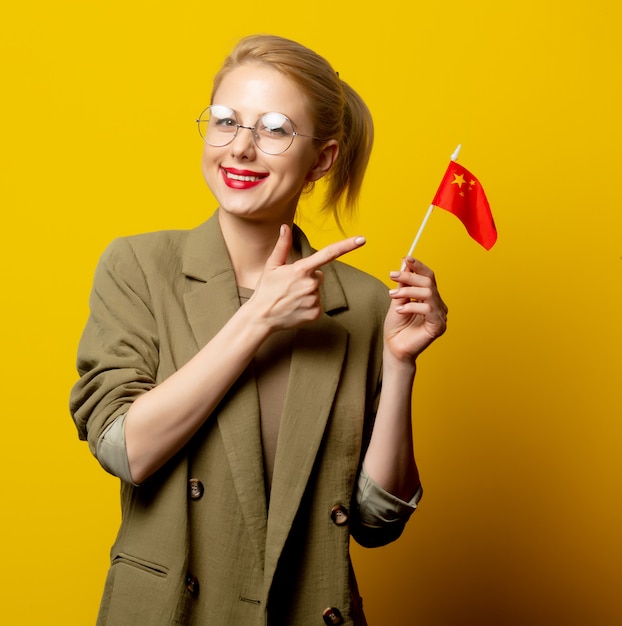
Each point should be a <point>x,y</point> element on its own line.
<point>112,451</point>
<point>381,516</point>
<point>118,352</point>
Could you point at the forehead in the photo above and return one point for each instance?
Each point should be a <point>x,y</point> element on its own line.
<point>252,90</point>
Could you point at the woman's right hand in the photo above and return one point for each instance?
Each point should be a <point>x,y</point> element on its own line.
<point>288,295</point>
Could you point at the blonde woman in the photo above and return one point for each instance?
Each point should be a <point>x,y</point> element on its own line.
<point>254,395</point>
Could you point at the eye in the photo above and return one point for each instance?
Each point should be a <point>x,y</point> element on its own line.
<point>275,125</point>
<point>223,117</point>
<point>226,122</point>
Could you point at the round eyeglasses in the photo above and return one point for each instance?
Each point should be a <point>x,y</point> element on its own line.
<point>273,133</point>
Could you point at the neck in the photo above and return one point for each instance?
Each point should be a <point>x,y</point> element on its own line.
<point>249,244</point>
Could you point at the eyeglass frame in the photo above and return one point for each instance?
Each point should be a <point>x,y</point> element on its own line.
<point>294,134</point>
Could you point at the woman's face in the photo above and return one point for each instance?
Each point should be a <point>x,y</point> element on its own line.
<point>247,182</point>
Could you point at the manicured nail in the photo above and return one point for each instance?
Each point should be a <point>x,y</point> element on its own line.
<point>392,292</point>
<point>359,241</point>
<point>282,230</point>
<point>394,274</point>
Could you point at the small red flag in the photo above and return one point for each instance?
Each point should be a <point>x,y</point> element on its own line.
<point>460,193</point>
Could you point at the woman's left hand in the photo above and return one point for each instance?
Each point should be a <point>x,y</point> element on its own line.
<point>417,315</point>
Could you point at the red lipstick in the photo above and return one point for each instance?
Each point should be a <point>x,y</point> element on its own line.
<point>241,179</point>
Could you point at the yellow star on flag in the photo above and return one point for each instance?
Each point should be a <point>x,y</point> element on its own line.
<point>458,180</point>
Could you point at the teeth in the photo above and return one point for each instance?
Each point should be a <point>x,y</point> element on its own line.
<point>248,179</point>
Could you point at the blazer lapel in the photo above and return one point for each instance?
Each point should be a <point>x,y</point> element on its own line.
<point>210,302</point>
<point>317,360</point>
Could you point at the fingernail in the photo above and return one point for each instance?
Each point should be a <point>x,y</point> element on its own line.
<point>393,291</point>
<point>360,241</point>
<point>394,274</point>
<point>282,230</point>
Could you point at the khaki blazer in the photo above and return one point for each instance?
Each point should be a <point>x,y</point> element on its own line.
<point>196,543</point>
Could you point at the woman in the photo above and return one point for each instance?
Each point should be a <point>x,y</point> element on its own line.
<point>230,375</point>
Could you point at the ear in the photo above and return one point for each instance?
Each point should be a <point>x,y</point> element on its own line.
<point>325,159</point>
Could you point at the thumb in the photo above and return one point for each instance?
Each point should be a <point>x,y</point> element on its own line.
<point>282,248</point>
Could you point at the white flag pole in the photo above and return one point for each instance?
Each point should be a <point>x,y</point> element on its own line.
<point>454,157</point>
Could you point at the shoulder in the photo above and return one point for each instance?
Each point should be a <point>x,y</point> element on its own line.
<point>357,297</point>
<point>358,277</point>
<point>147,246</point>
<point>170,252</point>
<point>143,265</point>
<point>159,253</point>
<point>359,284</point>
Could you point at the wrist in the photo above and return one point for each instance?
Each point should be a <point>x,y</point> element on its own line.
<point>254,326</point>
<point>391,364</point>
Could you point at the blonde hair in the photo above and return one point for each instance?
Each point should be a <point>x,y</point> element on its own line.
<point>336,110</point>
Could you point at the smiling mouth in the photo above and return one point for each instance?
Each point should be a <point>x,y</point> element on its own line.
<point>243,177</point>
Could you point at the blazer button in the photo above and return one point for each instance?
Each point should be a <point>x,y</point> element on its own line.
<point>332,616</point>
<point>192,585</point>
<point>339,514</point>
<point>195,488</point>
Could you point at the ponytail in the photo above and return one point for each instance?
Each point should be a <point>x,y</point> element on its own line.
<point>345,179</point>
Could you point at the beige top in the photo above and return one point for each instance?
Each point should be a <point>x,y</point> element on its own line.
<point>271,365</point>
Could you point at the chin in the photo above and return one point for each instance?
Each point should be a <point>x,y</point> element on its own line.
<point>244,212</point>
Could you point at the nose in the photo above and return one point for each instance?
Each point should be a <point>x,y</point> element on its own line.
<point>243,144</point>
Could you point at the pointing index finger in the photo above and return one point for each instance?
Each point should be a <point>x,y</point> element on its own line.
<point>331,252</point>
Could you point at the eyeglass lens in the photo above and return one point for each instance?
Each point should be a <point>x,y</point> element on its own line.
<point>273,133</point>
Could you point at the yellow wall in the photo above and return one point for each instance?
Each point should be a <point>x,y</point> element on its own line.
<point>517,407</point>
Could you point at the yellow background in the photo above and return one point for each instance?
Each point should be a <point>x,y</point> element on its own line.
<point>517,408</point>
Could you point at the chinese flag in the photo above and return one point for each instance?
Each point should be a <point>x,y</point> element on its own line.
<point>461,194</point>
